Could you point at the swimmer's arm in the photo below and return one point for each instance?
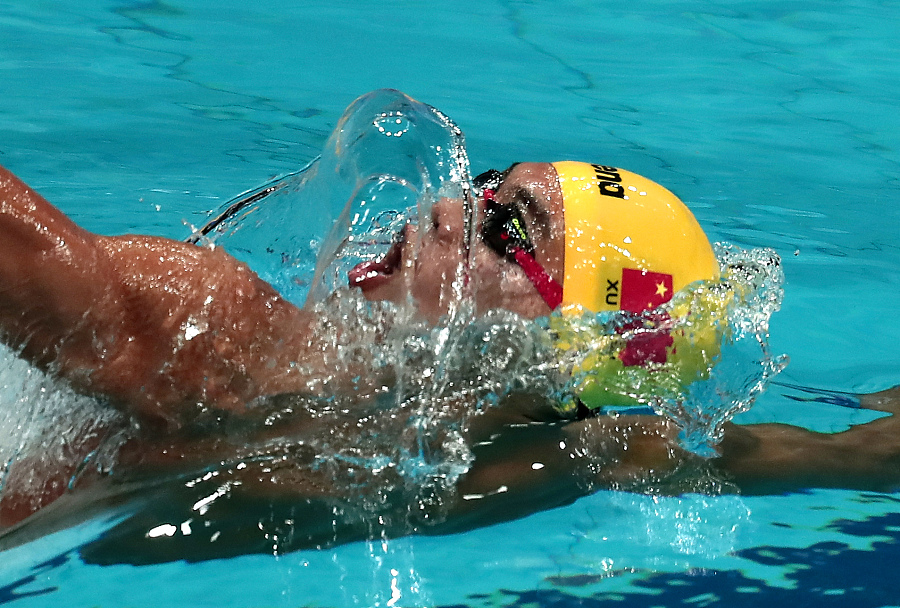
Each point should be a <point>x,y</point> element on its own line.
<point>47,268</point>
<point>756,459</point>
<point>161,328</point>
<point>532,467</point>
<point>767,458</point>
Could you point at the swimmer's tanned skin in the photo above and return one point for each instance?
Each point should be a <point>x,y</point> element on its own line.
<point>108,314</point>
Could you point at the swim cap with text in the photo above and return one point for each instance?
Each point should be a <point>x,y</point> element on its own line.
<point>630,243</point>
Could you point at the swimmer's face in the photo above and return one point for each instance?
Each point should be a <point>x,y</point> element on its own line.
<point>431,277</point>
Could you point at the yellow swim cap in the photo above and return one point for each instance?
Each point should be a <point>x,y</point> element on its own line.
<point>630,243</point>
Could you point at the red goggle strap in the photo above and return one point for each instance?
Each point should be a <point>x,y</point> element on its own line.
<point>547,286</point>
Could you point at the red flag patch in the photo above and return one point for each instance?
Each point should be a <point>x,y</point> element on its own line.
<point>643,290</point>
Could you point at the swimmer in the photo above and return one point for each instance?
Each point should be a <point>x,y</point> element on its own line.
<point>107,315</point>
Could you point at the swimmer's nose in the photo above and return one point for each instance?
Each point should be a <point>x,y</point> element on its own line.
<point>447,220</point>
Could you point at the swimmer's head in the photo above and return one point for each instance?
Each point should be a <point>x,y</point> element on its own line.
<point>569,241</point>
<point>629,244</point>
<point>573,243</point>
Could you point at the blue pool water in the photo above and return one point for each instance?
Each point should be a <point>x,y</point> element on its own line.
<point>775,121</point>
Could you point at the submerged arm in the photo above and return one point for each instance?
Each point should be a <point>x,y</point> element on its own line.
<point>766,458</point>
<point>520,468</point>
<point>538,466</point>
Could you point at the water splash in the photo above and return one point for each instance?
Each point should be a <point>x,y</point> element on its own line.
<point>699,359</point>
<point>446,374</point>
<point>744,366</point>
<point>387,163</point>
<point>303,231</point>
<point>412,442</point>
<point>49,434</point>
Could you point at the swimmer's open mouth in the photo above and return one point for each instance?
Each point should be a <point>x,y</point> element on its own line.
<point>367,275</point>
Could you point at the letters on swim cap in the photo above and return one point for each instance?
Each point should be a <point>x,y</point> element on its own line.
<point>630,243</point>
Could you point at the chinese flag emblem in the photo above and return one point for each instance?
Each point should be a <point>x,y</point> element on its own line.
<point>644,290</point>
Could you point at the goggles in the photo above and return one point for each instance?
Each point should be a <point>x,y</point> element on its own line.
<point>503,229</point>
